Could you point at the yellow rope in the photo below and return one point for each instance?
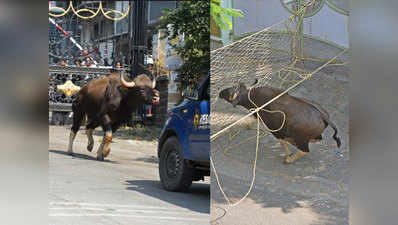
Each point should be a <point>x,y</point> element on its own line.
<point>59,8</point>
<point>269,111</point>
<point>93,14</point>
<point>263,134</point>
<point>253,178</point>
<point>115,12</point>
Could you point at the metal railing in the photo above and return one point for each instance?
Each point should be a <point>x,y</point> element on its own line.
<point>79,76</point>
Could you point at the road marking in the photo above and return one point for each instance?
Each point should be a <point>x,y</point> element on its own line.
<point>106,205</point>
<point>94,209</point>
<point>123,215</point>
<point>122,210</point>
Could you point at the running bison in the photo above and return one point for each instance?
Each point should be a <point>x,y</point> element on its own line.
<point>108,102</point>
<point>305,120</point>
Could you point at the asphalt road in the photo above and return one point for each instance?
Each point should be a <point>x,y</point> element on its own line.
<point>123,189</point>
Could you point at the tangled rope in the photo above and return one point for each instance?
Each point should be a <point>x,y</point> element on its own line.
<point>93,14</point>
<point>253,111</point>
<point>236,59</point>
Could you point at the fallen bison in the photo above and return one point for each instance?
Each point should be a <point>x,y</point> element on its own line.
<point>305,120</point>
<point>108,102</point>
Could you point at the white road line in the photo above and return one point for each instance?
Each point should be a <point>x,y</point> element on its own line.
<point>122,215</point>
<point>106,205</point>
<point>123,210</point>
<point>94,209</point>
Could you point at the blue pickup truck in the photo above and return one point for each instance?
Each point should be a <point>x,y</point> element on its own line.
<point>184,142</point>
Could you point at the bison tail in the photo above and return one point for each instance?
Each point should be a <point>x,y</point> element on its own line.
<point>75,105</point>
<point>337,139</point>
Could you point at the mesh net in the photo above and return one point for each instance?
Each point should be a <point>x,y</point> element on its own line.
<point>281,57</point>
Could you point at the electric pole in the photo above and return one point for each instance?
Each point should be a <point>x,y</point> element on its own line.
<point>137,36</point>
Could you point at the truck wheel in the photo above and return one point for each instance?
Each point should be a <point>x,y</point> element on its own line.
<point>174,172</point>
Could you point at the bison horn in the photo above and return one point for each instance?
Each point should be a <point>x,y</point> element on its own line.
<point>154,82</point>
<point>125,83</point>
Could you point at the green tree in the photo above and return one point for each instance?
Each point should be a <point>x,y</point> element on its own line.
<point>220,14</point>
<point>191,19</point>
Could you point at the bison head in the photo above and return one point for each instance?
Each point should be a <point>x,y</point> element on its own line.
<point>141,88</point>
<point>234,94</point>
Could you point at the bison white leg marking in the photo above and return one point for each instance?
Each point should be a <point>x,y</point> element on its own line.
<point>291,158</point>
<point>100,155</point>
<point>106,140</point>
<point>107,147</point>
<point>284,145</point>
<point>90,144</point>
<point>72,136</point>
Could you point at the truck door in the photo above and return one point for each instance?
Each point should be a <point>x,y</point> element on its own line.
<point>200,134</point>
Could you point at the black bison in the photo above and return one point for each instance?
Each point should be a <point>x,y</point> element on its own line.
<point>305,120</point>
<point>108,102</point>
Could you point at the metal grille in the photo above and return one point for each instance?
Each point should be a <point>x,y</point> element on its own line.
<point>58,75</point>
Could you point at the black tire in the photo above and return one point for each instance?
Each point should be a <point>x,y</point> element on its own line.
<point>175,175</point>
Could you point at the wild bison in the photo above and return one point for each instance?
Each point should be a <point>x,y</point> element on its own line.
<point>108,102</point>
<point>305,120</point>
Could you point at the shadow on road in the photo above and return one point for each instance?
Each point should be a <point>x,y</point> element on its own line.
<point>197,198</point>
<point>285,206</point>
<point>289,203</point>
<point>150,159</point>
<point>139,134</point>
<point>81,156</point>
<point>148,133</point>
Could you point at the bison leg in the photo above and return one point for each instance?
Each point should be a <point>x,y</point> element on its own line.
<point>90,127</point>
<point>284,145</point>
<point>72,136</point>
<point>106,140</point>
<point>299,154</point>
<point>100,149</point>
<point>90,138</point>
<point>115,126</point>
<point>293,157</point>
<point>104,149</point>
<point>78,117</point>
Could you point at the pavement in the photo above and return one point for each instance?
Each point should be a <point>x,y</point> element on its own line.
<point>123,189</point>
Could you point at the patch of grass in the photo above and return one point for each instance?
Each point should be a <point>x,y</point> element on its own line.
<point>140,132</point>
